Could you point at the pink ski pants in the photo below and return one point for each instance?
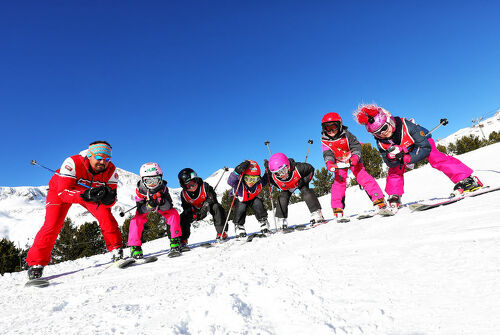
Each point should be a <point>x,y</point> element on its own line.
<point>450,166</point>
<point>364,179</point>
<point>137,226</point>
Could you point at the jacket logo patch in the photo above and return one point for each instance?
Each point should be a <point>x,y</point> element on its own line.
<point>69,168</point>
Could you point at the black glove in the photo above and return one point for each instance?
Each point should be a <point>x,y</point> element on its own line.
<point>242,167</point>
<point>266,164</point>
<point>109,197</point>
<point>203,211</point>
<point>94,194</point>
<point>152,203</point>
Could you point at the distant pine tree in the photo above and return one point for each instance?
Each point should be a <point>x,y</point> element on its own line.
<point>89,240</point>
<point>372,160</point>
<point>323,180</point>
<point>155,227</point>
<point>10,257</point>
<point>65,248</point>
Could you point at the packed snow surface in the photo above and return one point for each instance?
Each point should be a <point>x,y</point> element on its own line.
<point>432,272</point>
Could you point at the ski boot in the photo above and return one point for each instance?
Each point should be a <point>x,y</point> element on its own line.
<point>240,231</point>
<point>283,226</point>
<point>175,247</point>
<point>184,246</point>
<point>339,215</point>
<point>264,227</point>
<point>317,217</point>
<point>117,254</point>
<point>35,272</point>
<point>221,236</point>
<point>469,184</point>
<point>379,204</point>
<point>394,201</point>
<point>136,252</point>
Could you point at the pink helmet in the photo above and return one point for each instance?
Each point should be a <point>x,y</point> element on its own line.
<point>277,161</point>
<point>373,117</point>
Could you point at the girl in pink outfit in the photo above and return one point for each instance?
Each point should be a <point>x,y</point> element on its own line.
<point>402,142</point>
<point>152,195</point>
<point>342,151</point>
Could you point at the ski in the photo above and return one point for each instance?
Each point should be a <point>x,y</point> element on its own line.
<point>174,253</point>
<point>39,282</point>
<point>124,263</point>
<point>149,259</point>
<point>254,235</point>
<point>422,206</point>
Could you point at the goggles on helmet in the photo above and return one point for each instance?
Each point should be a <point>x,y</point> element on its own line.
<point>251,179</point>
<point>282,171</point>
<point>152,182</point>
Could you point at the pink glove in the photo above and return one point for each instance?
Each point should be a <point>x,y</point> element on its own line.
<point>407,159</point>
<point>354,160</point>
<point>330,166</point>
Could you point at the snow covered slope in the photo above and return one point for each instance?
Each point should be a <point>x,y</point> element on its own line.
<point>433,272</point>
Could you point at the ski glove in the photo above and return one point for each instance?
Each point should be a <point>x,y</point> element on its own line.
<point>330,166</point>
<point>354,160</point>
<point>242,167</point>
<point>203,211</point>
<point>109,197</point>
<point>94,194</point>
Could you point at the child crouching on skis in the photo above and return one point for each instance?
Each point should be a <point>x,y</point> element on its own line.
<point>402,142</point>
<point>152,195</point>
<point>342,151</point>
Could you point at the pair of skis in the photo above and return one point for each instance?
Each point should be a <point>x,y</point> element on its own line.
<point>423,206</point>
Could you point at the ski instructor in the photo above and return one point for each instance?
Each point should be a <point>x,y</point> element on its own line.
<point>88,179</point>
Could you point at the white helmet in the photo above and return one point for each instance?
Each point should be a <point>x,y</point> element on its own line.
<point>151,175</point>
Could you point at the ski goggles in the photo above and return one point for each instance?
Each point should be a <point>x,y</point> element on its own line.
<point>382,129</point>
<point>99,157</point>
<point>191,184</point>
<point>151,182</point>
<point>251,179</point>
<point>282,171</point>
<point>330,127</point>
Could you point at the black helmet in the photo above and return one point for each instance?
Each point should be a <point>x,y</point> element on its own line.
<point>185,176</point>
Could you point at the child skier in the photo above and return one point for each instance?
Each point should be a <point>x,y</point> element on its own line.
<point>152,195</point>
<point>247,195</point>
<point>342,151</point>
<point>402,142</point>
<point>288,175</point>
<point>198,199</point>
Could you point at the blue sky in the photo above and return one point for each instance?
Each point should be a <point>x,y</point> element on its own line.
<point>203,84</point>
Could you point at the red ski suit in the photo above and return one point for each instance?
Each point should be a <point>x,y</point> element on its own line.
<point>64,190</point>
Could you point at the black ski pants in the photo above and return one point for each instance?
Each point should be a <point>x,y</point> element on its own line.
<point>217,212</point>
<point>308,195</point>
<point>240,210</point>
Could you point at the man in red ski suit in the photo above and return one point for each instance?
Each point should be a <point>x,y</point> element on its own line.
<point>88,179</point>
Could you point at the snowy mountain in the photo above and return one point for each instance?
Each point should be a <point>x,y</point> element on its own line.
<point>22,209</point>
<point>433,272</point>
<point>481,130</point>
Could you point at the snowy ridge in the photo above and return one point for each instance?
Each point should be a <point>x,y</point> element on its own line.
<point>433,272</point>
<point>485,127</point>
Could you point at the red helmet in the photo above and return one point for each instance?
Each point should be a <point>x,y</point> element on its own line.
<point>331,117</point>
<point>253,169</point>
<point>331,121</point>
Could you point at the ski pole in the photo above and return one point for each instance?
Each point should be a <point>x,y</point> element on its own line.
<point>310,142</point>
<point>225,169</point>
<point>442,122</point>
<point>34,162</point>
<point>232,203</point>
<point>267,145</point>
<point>122,214</point>
<point>271,197</point>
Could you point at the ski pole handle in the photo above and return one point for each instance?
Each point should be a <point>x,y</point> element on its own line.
<point>442,122</point>
<point>225,169</point>
<point>122,214</point>
<point>309,146</point>
<point>268,147</point>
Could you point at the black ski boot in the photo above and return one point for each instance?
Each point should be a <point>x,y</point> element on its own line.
<point>35,272</point>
